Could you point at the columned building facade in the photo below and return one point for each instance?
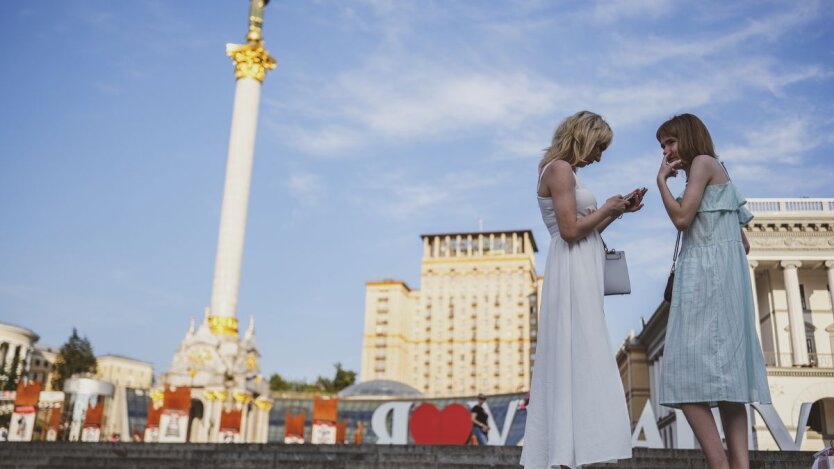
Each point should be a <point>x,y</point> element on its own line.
<point>791,263</point>
<point>470,328</point>
<point>16,347</point>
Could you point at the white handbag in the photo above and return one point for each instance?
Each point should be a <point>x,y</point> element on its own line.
<point>616,279</point>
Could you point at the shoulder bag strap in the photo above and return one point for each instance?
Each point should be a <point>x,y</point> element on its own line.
<point>675,256</point>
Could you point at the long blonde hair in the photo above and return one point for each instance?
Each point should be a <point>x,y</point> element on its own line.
<point>576,138</point>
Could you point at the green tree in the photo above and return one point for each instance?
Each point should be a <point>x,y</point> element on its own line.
<point>324,384</point>
<point>278,383</point>
<point>10,377</point>
<point>343,378</point>
<point>75,356</point>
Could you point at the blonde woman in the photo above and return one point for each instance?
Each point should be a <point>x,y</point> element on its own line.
<point>577,412</point>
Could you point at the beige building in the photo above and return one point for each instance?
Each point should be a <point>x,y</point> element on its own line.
<point>123,373</point>
<point>792,264</point>
<point>472,326</point>
<point>42,366</point>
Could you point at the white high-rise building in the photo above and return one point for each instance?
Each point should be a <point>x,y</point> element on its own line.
<point>471,327</point>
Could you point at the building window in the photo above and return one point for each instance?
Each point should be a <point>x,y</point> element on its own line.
<point>802,298</point>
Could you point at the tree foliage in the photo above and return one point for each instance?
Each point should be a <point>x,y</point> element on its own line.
<point>342,379</point>
<point>75,356</point>
<point>9,377</point>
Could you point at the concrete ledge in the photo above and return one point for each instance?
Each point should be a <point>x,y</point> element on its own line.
<point>62,455</point>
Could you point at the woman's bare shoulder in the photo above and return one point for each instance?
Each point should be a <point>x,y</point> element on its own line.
<point>556,169</point>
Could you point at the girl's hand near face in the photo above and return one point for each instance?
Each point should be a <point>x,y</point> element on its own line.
<point>668,168</point>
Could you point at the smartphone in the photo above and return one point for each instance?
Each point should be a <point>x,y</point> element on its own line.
<point>632,199</point>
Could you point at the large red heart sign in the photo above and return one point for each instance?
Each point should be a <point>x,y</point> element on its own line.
<point>451,426</point>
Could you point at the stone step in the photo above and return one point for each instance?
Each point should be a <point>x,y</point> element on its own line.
<point>63,455</point>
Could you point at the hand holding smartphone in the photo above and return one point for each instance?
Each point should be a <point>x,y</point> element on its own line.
<point>635,197</point>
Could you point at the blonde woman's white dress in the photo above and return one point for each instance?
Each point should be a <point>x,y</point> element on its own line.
<point>577,413</point>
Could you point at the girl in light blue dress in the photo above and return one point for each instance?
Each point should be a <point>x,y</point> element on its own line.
<point>712,356</point>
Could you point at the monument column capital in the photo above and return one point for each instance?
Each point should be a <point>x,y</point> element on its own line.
<point>829,264</point>
<point>251,60</point>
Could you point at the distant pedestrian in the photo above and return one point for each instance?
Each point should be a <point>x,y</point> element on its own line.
<point>480,421</point>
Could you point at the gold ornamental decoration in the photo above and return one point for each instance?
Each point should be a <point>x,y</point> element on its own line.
<point>215,395</point>
<point>223,325</point>
<point>251,361</point>
<point>251,60</point>
<point>242,397</point>
<point>157,396</point>
<point>263,404</point>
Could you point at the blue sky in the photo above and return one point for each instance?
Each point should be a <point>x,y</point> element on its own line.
<point>383,120</point>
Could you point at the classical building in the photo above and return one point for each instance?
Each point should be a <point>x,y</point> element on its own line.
<point>472,326</point>
<point>124,371</point>
<point>792,266</point>
<point>42,366</point>
<point>16,347</point>
<point>126,375</point>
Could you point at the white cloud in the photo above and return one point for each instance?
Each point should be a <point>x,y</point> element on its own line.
<point>783,141</point>
<point>398,195</point>
<point>390,99</point>
<point>643,51</point>
<point>609,11</point>
<point>326,141</point>
<point>306,187</point>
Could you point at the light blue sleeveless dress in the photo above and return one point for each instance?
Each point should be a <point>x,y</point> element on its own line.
<point>712,352</point>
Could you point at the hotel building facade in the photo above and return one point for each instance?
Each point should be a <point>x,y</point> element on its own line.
<point>471,327</point>
<point>791,263</point>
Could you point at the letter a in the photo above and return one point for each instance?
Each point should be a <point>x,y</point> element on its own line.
<point>647,425</point>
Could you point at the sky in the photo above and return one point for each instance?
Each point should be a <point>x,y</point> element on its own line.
<point>384,120</point>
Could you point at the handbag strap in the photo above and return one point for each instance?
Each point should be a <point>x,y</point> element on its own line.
<point>604,246</point>
<point>675,256</point>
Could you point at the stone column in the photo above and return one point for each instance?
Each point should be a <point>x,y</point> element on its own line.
<point>795,313</point>
<point>251,64</point>
<point>829,265</point>
<point>229,259</point>
<point>752,265</point>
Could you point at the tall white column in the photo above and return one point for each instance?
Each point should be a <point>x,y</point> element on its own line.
<point>251,64</point>
<point>752,265</point>
<point>227,268</point>
<point>829,265</point>
<point>795,313</point>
